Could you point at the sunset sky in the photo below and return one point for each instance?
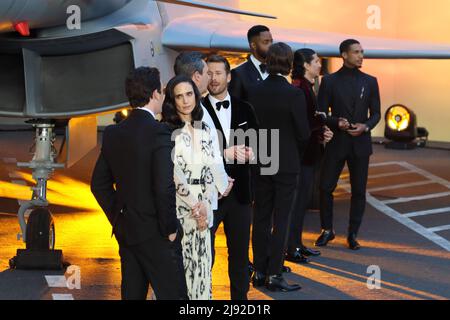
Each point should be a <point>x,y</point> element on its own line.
<point>423,85</point>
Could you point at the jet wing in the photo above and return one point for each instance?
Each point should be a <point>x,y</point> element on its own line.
<point>213,32</point>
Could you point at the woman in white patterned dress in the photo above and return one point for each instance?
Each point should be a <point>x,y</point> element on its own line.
<point>198,174</point>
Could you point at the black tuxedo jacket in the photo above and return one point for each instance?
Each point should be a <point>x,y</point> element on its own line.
<point>242,117</point>
<point>279,105</point>
<point>133,179</point>
<point>353,95</point>
<point>242,79</point>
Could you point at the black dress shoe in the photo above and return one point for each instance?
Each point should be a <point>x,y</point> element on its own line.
<point>309,252</point>
<point>352,243</point>
<point>325,237</point>
<point>258,279</point>
<point>296,257</point>
<point>277,283</point>
<point>286,269</point>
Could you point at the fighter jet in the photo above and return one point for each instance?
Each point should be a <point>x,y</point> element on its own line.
<point>62,63</point>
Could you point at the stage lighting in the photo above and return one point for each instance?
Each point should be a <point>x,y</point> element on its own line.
<point>121,115</point>
<point>401,129</point>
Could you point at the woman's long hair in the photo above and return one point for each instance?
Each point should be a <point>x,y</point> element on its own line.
<point>301,57</point>
<point>169,109</point>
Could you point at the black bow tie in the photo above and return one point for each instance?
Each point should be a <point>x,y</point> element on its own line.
<point>223,104</point>
<point>263,67</point>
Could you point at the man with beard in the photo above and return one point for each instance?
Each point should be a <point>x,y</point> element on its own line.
<point>254,70</point>
<point>232,117</point>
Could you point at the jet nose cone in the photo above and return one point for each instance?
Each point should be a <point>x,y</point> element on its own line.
<point>39,14</point>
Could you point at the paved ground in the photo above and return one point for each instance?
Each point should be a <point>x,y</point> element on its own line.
<point>405,233</point>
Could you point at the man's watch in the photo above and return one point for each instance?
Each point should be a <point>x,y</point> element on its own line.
<point>367,128</point>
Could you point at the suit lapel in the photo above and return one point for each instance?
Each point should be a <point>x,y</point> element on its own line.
<point>213,114</point>
<point>253,73</point>
<point>360,94</point>
<point>234,114</point>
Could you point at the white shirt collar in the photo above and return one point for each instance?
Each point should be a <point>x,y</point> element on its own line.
<point>214,100</point>
<point>148,110</point>
<point>224,115</point>
<point>286,77</point>
<point>255,61</point>
<point>257,64</point>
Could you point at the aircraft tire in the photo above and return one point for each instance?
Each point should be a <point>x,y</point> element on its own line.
<point>40,230</point>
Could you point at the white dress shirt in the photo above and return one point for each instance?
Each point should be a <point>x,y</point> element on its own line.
<point>257,64</point>
<point>224,115</point>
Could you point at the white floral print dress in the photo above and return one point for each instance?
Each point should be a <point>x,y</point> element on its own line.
<point>199,172</point>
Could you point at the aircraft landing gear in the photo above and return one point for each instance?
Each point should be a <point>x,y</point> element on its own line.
<point>39,231</point>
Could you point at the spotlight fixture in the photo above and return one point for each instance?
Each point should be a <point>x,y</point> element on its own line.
<point>401,129</point>
<point>121,115</point>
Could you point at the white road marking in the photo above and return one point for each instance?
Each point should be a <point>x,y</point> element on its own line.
<point>9,160</point>
<point>427,212</point>
<point>19,182</point>
<point>383,175</point>
<point>389,174</point>
<point>424,197</point>
<point>382,206</point>
<point>57,296</point>
<point>384,164</point>
<point>426,174</point>
<point>430,235</point>
<point>14,175</point>
<point>8,214</point>
<point>401,186</point>
<point>56,281</point>
<point>440,228</point>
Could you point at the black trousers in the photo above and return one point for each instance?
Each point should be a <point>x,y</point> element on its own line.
<point>304,194</point>
<point>331,171</point>
<point>236,218</point>
<point>274,202</point>
<point>156,262</point>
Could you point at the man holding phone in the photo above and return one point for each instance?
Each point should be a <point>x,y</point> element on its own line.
<point>353,99</point>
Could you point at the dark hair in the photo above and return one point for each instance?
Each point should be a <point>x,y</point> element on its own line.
<point>345,45</point>
<point>169,109</point>
<point>140,85</point>
<point>301,57</point>
<point>215,58</point>
<point>189,62</point>
<point>255,31</point>
<point>279,59</point>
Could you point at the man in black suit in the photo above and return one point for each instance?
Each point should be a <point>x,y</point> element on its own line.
<point>233,118</point>
<point>354,100</point>
<point>254,70</point>
<point>281,111</point>
<point>133,183</point>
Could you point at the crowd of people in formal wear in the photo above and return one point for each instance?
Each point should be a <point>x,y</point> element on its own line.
<point>186,160</point>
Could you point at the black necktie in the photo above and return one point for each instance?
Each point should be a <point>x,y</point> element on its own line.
<point>222,104</point>
<point>263,67</point>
